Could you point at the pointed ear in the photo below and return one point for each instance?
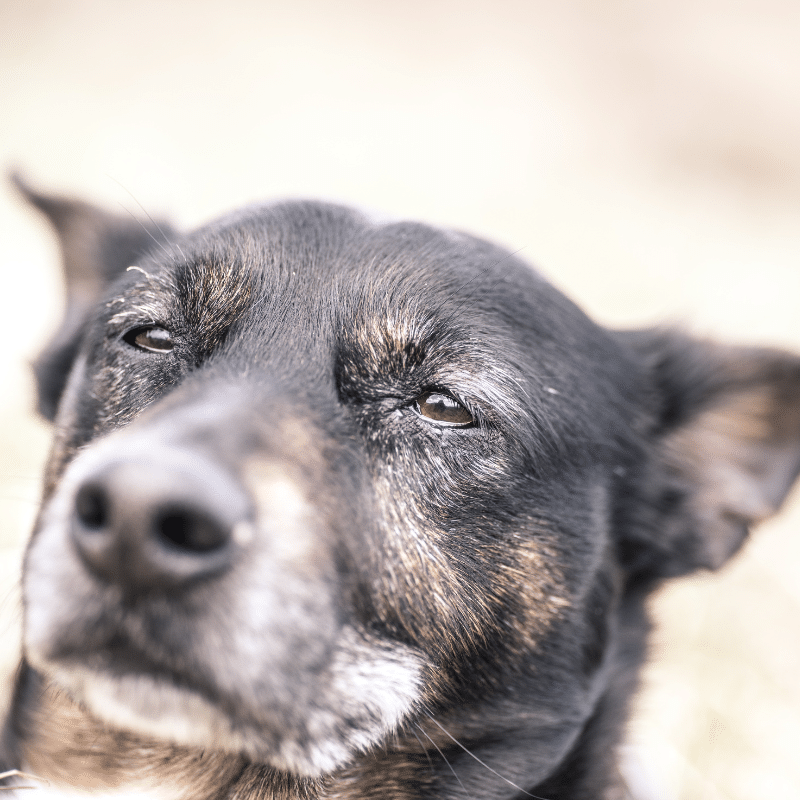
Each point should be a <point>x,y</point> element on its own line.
<point>727,438</point>
<point>96,247</point>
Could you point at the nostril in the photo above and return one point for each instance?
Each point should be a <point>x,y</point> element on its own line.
<point>92,506</point>
<point>156,522</point>
<point>190,531</point>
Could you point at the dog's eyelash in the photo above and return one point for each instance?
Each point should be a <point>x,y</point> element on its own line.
<point>150,338</point>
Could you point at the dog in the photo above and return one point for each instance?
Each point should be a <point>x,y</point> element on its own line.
<point>339,509</point>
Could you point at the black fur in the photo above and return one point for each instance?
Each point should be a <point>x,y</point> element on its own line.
<point>266,566</point>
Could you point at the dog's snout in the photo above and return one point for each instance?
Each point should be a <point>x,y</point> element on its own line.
<point>157,523</point>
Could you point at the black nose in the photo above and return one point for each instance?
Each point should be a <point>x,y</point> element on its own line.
<point>158,521</point>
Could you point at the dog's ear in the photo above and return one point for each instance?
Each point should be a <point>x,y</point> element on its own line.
<point>96,246</point>
<point>727,443</point>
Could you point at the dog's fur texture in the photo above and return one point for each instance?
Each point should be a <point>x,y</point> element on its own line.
<point>346,510</point>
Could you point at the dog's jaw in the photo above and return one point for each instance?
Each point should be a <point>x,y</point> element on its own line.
<point>376,689</point>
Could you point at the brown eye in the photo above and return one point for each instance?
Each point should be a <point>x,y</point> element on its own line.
<point>150,338</point>
<point>443,409</point>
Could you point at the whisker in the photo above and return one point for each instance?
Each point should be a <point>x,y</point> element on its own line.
<point>15,773</point>
<point>136,200</point>
<point>444,757</point>
<point>482,763</point>
<point>147,214</point>
<point>146,230</point>
<point>424,749</point>
<point>20,498</point>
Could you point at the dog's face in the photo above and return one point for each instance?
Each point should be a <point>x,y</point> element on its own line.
<point>326,493</point>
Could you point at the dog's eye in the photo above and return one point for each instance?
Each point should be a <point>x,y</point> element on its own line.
<point>150,338</point>
<point>442,409</point>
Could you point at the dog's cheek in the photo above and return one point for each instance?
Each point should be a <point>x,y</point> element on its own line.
<point>104,392</point>
<point>490,568</point>
<point>128,385</point>
<point>446,572</point>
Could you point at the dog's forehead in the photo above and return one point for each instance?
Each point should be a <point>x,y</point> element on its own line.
<point>322,246</point>
<point>314,257</point>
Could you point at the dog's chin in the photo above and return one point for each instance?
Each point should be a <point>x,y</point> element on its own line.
<point>156,709</point>
<point>372,699</point>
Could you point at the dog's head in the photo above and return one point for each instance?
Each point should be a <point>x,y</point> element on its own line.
<point>324,490</point>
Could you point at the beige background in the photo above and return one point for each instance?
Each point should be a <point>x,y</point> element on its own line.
<point>645,154</point>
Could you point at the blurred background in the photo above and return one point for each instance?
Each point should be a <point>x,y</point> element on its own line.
<point>644,154</point>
